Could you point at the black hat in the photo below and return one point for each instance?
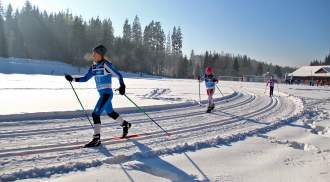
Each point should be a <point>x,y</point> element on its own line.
<point>100,49</point>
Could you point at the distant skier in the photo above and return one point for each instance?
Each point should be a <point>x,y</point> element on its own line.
<point>271,82</point>
<point>210,81</point>
<point>103,70</point>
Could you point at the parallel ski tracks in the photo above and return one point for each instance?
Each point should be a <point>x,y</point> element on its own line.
<point>36,150</point>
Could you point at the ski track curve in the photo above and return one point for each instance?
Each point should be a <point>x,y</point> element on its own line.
<point>245,114</point>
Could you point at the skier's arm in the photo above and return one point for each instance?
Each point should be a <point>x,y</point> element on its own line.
<point>111,69</point>
<point>86,77</point>
<point>201,78</point>
<point>215,79</point>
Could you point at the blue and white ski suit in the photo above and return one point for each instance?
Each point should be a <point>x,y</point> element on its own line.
<point>210,82</point>
<point>103,72</point>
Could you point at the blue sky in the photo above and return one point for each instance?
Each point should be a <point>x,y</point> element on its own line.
<point>285,32</point>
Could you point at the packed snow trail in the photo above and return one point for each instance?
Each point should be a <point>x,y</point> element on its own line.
<point>43,148</point>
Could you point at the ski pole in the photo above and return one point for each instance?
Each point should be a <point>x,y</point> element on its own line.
<point>142,110</point>
<point>220,92</point>
<point>199,91</point>
<point>81,104</point>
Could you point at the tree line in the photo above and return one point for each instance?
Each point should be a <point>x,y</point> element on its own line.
<point>30,33</point>
<point>320,62</point>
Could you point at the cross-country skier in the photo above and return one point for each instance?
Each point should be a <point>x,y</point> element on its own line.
<point>103,70</point>
<point>210,81</point>
<point>271,82</point>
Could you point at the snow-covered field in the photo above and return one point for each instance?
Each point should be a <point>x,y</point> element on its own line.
<point>249,136</point>
<point>41,93</point>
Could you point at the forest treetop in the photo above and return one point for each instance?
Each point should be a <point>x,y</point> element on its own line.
<point>30,33</point>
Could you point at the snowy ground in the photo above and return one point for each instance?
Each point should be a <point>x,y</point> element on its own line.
<point>249,136</point>
<point>54,93</point>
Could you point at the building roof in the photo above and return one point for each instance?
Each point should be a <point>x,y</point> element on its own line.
<point>314,71</point>
<point>323,70</point>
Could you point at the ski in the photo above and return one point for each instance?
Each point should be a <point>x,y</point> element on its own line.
<point>127,137</point>
<point>116,138</point>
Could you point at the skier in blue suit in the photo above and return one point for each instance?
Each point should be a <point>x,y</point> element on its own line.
<point>210,81</point>
<point>103,70</point>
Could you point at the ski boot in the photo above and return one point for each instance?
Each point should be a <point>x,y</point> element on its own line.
<point>209,109</point>
<point>126,125</point>
<point>95,142</point>
<point>212,107</point>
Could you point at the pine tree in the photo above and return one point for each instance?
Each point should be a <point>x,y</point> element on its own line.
<point>9,13</point>
<point>108,36</point>
<point>147,35</point>
<point>182,69</point>
<point>278,71</point>
<point>1,9</point>
<point>174,40</point>
<point>159,37</point>
<point>327,60</point>
<point>78,39</point>
<point>260,69</point>
<point>95,32</point>
<point>198,70</point>
<point>9,28</point>
<point>3,41</point>
<point>207,59</point>
<point>27,7</point>
<point>127,31</point>
<point>168,49</point>
<point>136,31</point>
<point>316,63</point>
<point>235,67</point>
<point>177,41</point>
<point>195,63</point>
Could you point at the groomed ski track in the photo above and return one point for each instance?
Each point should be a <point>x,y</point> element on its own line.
<point>46,147</point>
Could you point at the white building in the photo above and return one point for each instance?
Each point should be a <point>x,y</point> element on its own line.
<point>311,74</point>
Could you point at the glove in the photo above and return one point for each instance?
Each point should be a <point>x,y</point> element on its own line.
<point>69,78</point>
<point>200,79</point>
<point>122,89</point>
<point>215,80</point>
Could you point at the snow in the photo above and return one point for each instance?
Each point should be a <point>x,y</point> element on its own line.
<point>32,66</point>
<point>54,93</point>
<point>249,136</point>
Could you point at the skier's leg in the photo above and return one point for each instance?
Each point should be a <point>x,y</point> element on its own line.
<point>271,91</point>
<point>102,103</point>
<point>212,100</point>
<point>114,115</point>
<point>99,108</point>
<point>97,123</point>
<point>209,108</point>
<point>209,98</point>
